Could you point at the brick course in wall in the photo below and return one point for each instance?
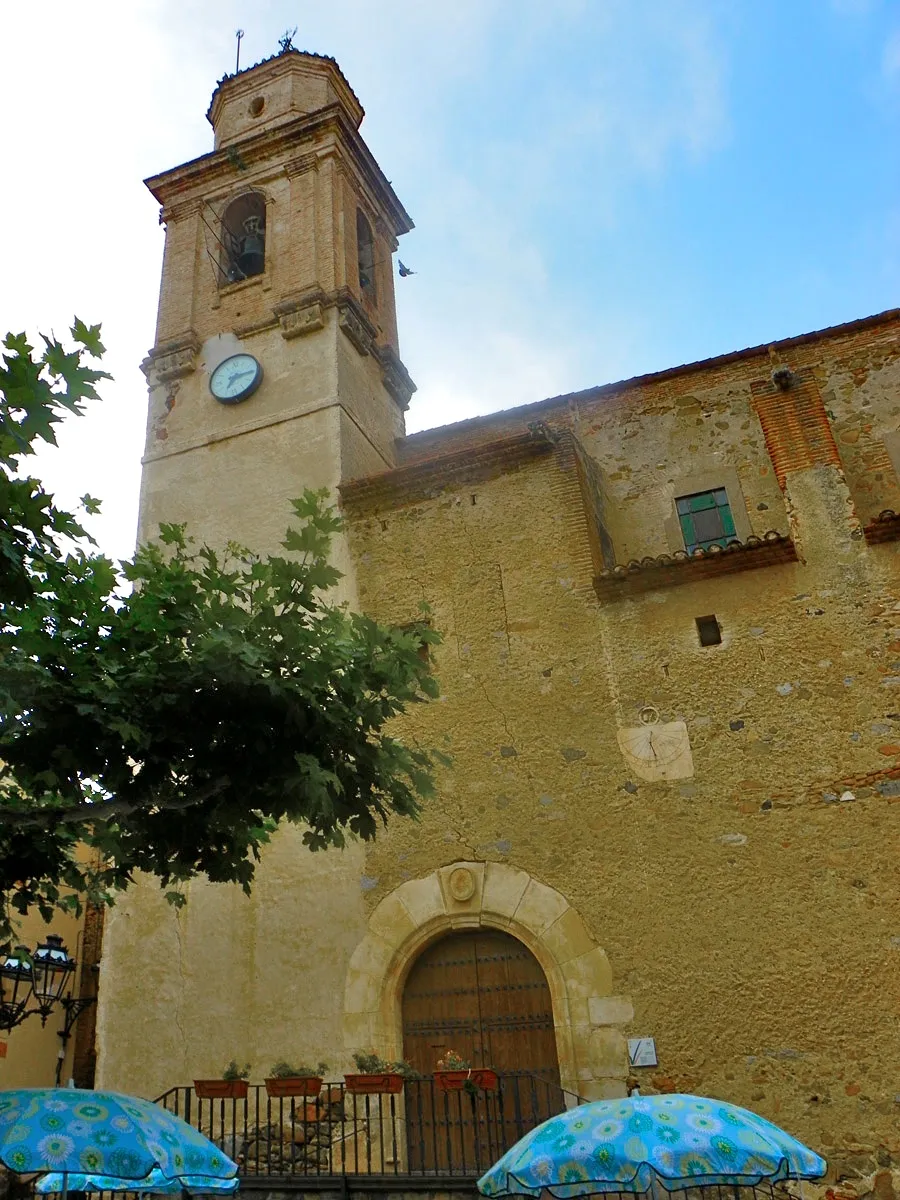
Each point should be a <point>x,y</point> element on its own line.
<point>796,428</point>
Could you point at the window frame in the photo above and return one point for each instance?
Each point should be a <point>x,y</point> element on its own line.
<point>710,500</point>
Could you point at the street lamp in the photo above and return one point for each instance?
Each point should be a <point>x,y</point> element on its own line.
<point>51,970</point>
<point>34,983</point>
<point>15,986</point>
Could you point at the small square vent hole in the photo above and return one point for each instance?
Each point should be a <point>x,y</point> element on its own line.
<point>709,631</point>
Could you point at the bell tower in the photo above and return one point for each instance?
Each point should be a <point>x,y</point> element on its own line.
<point>276,362</point>
<point>275,368</point>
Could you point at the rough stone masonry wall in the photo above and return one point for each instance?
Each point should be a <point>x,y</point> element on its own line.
<point>751,911</point>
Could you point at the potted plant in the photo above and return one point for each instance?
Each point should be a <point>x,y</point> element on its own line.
<point>232,1085</point>
<point>453,1073</point>
<point>376,1075</point>
<point>285,1080</point>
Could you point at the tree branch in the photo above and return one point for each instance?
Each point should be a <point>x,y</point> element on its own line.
<point>105,810</point>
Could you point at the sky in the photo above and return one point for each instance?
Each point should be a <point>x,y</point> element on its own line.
<point>601,188</point>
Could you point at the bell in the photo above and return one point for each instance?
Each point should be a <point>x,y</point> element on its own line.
<point>252,258</point>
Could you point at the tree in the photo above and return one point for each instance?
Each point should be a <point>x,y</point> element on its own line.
<point>168,712</point>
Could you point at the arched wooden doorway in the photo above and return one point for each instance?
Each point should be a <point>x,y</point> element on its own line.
<point>483,994</point>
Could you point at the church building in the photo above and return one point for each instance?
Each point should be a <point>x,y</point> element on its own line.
<point>665,849</point>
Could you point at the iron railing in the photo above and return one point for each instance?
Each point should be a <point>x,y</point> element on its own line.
<point>422,1131</point>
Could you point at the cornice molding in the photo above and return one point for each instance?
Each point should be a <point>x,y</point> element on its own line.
<point>357,327</point>
<point>300,316</point>
<point>178,212</point>
<point>301,164</point>
<point>395,377</point>
<point>260,149</point>
<point>171,360</point>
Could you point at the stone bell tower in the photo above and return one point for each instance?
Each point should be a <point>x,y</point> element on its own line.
<point>275,368</point>
<point>276,362</point>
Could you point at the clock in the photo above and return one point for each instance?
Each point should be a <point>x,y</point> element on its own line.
<point>235,379</point>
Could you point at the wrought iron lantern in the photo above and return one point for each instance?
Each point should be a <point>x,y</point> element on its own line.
<point>35,982</point>
<point>51,971</point>
<point>15,986</point>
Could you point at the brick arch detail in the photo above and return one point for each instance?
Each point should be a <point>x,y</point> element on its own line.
<point>465,895</point>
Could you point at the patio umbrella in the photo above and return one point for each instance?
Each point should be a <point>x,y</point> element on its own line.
<point>155,1182</point>
<point>70,1131</point>
<point>649,1143</point>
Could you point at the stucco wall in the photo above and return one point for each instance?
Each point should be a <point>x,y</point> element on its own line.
<point>230,977</point>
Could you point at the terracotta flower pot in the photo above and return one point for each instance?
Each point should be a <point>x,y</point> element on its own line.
<point>294,1085</point>
<point>374,1084</point>
<point>221,1089</point>
<point>453,1081</point>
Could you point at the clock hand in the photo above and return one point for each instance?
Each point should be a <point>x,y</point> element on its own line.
<point>240,375</point>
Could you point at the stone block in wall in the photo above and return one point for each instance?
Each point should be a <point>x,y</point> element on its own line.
<point>607,1055</point>
<point>611,1010</point>
<point>603,1089</point>
<point>362,992</point>
<point>422,899</point>
<point>361,1030</point>
<point>539,907</point>
<point>504,887</point>
<point>568,937</point>
<point>586,977</point>
<point>391,920</point>
<point>372,956</point>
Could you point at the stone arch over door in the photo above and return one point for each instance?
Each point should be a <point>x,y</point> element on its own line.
<point>588,1019</point>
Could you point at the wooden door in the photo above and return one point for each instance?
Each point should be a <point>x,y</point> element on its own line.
<point>483,994</point>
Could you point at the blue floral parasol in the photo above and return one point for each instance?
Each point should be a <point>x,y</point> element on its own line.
<point>75,1132</point>
<point>155,1182</point>
<point>636,1144</point>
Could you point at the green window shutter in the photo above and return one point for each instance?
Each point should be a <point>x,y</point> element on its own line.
<point>717,522</point>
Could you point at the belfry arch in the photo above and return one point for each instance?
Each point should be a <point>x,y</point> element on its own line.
<point>590,1045</point>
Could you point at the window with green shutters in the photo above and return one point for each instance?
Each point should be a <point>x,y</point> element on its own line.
<point>705,520</point>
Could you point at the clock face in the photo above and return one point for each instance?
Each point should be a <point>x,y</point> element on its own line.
<point>235,379</point>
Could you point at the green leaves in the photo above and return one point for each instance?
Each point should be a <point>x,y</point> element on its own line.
<point>166,714</point>
<point>89,337</point>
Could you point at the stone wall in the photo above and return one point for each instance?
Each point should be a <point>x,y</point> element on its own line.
<point>748,900</point>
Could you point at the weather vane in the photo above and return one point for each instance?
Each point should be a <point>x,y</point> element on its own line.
<point>238,33</point>
<point>286,41</point>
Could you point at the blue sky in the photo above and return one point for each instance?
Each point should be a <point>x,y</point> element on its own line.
<point>601,188</point>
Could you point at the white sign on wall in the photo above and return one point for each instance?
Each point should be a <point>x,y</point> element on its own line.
<point>642,1052</point>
